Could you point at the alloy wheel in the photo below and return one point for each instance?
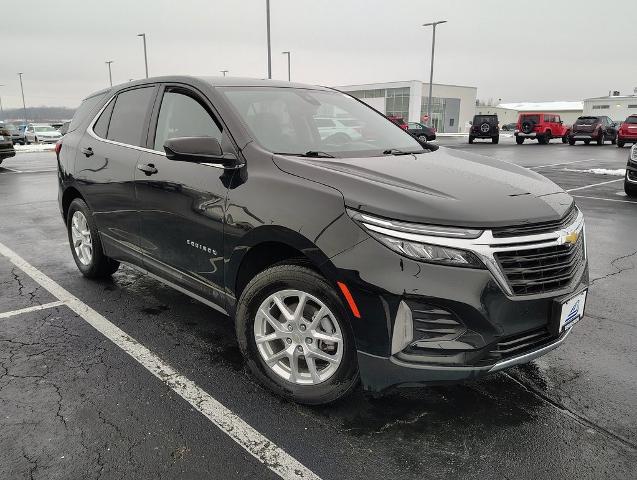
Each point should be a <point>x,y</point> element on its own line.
<point>81,235</point>
<point>298,337</point>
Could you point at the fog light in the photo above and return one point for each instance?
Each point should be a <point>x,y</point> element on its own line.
<point>403,329</point>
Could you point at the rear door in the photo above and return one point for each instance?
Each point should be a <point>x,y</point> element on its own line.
<point>105,165</point>
<point>182,204</point>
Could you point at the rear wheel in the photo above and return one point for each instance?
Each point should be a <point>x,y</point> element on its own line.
<point>571,141</point>
<point>495,139</point>
<point>620,144</point>
<point>519,140</point>
<point>565,139</point>
<point>541,139</point>
<point>294,333</point>
<point>470,139</point>
<point>85,242</point>
<point>613,140</point>
<point>600,140</point>
<point>587,142</point>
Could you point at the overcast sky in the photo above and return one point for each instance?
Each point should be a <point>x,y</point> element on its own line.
<point>536,50</point>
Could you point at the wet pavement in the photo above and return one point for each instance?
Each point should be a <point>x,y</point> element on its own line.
<point>73,405</point>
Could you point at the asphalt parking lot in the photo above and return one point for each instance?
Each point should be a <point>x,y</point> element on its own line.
<point>127,378</point>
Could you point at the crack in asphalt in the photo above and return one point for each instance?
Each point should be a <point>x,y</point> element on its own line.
<point>581,419</point>
<point>619,269</point>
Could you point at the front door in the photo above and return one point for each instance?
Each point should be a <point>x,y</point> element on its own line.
<point>182,204</point>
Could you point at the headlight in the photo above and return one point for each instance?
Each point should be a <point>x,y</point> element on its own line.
<point>633,153</point>
<point>405,239</point>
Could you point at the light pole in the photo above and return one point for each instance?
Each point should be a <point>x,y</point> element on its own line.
<point>431,72</point>
<point>224,72</point>
<point>143,35</point>
<point>110,77</point>
<point>24,105</point>
<point>267,15</point>
<point>1,107</point>
<point>288,54</point>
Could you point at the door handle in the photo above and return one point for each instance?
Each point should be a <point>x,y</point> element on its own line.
<point>148,169</point>
<point>87,151</point>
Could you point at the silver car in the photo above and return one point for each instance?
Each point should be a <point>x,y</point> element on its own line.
<point>41,133</point>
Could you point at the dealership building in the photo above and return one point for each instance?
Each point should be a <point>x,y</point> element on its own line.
<point>617,107</point>
<point>453,106</point>
<point>509,112</point>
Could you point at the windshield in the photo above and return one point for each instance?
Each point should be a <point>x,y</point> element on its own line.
<point>297,121</point>
<point>586,121</point>
<point>44,129</point>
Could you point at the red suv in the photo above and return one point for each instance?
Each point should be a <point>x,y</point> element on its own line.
<point>540,126</point>
<point>627,133</point>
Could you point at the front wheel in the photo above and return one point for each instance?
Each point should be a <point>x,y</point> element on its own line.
<point>85,242</point>
<point>295,335</point>
<point>519,140</point>
<point>564,139</point>
<point>470,139</point>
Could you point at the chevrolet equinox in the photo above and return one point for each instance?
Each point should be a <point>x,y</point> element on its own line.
<point>341,258</point>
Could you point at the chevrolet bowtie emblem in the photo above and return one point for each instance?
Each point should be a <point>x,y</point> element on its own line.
<point>570,238</point>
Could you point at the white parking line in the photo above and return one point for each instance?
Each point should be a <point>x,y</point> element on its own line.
<point>563,163</point>
<point>594,185</point>
<point>35,308</point>
<point>605,199</point>
<point>11,169</point>
<point>260,447</point>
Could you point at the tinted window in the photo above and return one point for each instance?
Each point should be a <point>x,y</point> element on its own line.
<point>632,120</point>
<point>182,116</point>
<point>586,120</point>
<point>530,118</point>
<point>101,126</point>
<point>85,109</point>
<point>485,118</point>
<point>129,115</point>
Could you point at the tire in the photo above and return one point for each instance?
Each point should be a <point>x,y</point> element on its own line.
<point>630,188</point>
<point>620,144</point>
<point>600,140</point>
<point>541,139</point>
<point>495,140</point>
<point>527,126</point>
<point>613,140</point>
<point>587,142</point>
<point>422,138</point>
<point>470,139</point>
<point>564,139</point>
<point>519,140</point>
<point>547,137</point>
<point>36,140</point>
<point>97,265</point>
<point>571,141</point>
<point>282,280</point>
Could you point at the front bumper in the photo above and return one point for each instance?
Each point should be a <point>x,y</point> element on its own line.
<point>475,327</point>
<point>7,150</point>
<point>48,140</point>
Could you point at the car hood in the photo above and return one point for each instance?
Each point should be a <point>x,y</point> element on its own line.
<point>445,187</point>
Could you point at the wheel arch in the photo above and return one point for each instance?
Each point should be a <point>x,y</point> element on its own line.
<point>70,194</point>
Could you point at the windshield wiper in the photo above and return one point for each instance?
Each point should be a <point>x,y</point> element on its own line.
<point>395,151</point>
<point>317,154</point>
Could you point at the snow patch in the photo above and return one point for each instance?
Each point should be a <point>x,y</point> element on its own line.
<point>35,148</point>
<point>620,172</point>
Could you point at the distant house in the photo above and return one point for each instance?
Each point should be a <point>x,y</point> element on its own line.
<point>508,112</point>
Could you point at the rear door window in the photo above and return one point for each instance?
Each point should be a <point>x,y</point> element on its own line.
<point>180,115</point>
<point>128,119</point>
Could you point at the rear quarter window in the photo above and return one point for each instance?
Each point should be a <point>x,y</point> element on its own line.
<point>129,116</point>
<point>88,106</point>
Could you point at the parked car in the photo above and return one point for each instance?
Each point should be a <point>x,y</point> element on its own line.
<point>41,133</point>
<point>630,180</point>
<point>627,132</point>
<point>540,126</point>
<point>421,132</point>
<point>16,136</point>
<point>588,128</point>
<point>380,259</point>
<point>6,144</point>
<point>485,126</point>
<point>509,127</point>
<point>398,121</point>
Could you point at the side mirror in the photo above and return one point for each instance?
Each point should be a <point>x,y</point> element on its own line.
<point>199,150</point>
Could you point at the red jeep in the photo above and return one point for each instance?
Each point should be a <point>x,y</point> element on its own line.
<point>540,126</point>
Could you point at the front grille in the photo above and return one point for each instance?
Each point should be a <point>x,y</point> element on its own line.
<point>537,228</point>
<point>539,270</point>
<point>520,344</point>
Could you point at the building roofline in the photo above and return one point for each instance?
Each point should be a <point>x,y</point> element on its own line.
<point>403,81</point>
<point>611,97</point>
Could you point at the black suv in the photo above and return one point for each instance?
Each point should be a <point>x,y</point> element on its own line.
<point>340,258</point>
<point>588,128</point>
<point>6,143</point>
<point>485,126</point>
<point>630,180</point>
